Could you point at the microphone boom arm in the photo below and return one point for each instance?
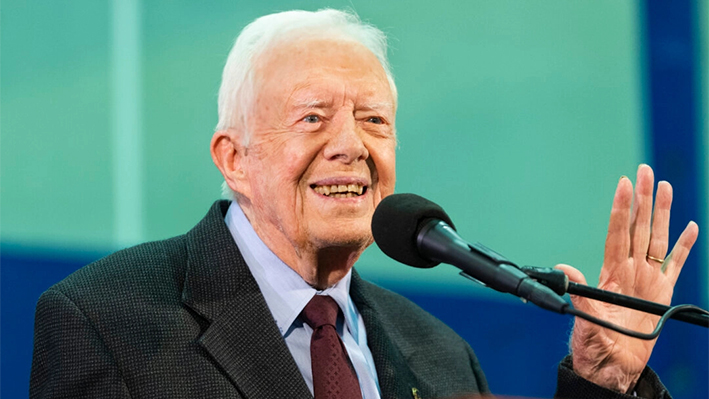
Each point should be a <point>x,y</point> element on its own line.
<point>558,282</point>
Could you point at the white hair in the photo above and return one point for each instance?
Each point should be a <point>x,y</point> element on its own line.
<point>236,94</point>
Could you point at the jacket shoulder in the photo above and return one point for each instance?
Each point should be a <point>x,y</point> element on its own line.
<point>145,268</point>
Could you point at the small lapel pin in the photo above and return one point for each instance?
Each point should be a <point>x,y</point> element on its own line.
<point>415,393</point>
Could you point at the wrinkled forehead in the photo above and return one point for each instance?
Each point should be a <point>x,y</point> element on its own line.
<point>292,60</point>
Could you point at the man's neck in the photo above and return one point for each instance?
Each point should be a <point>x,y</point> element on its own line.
<point>320,267</point>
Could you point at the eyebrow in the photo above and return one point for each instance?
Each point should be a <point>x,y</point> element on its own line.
<point>311,103</point>
<point>382,106</point>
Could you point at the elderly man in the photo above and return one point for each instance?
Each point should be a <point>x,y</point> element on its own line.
<point>260,299</point>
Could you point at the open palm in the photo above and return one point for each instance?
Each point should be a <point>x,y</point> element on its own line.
<point>637,242</point>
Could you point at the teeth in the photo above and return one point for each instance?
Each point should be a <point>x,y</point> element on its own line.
<point>340,190</point>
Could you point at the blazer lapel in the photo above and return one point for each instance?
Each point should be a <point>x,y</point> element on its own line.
<point>396,379</point>
<point>242,336</point>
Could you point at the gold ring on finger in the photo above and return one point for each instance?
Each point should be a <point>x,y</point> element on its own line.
<point>655,259</point>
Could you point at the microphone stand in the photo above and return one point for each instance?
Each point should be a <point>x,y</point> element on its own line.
<point>557,281</point>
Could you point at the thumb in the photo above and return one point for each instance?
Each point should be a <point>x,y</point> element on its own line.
<point>572,273</point>
<point>577,277</point>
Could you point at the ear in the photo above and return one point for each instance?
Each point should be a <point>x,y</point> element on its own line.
<point>228,154</point>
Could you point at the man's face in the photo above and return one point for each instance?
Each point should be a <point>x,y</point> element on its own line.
<point>322,151</point>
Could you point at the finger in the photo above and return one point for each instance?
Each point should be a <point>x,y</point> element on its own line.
<point>572,273</point>
<point>618,238</point>
<point>575,276</point>
<point>675,261</point>
<point>642,212</point>
<point>661,221</point>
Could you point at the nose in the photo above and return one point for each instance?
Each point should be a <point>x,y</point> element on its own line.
<point>345,143</point>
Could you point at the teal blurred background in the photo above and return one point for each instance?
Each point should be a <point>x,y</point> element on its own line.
<point>518,117</point>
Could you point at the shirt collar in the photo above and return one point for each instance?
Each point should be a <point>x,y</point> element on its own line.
<point>285,291</point>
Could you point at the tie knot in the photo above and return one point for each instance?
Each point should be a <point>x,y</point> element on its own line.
<point>321,310</point>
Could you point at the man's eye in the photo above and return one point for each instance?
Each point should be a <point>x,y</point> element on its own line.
<point>311,119</point>
<point>376,120</point>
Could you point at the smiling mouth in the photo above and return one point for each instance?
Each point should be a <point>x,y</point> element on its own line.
<point>340,190</point>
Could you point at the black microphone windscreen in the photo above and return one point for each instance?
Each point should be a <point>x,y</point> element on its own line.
<point>396,223</point>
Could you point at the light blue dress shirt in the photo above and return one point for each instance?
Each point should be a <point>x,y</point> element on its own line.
<point>286,295</point>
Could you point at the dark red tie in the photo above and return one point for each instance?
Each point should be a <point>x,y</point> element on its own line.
<point>333,376</point>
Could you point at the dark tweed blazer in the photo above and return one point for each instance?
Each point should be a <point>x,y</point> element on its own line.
<point>184,318</point>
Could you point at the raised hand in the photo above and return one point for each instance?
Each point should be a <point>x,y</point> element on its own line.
<point>636,245</point>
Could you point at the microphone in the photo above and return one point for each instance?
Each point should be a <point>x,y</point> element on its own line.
<point>417,232</point>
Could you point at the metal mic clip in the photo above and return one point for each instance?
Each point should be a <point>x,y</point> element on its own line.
<point>555,279</point>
